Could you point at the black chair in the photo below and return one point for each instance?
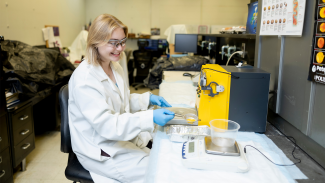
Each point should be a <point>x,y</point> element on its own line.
<point>142,62</point>
<point>74,171</point>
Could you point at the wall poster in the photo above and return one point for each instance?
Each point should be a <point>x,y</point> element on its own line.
<point>282,17</point>
<point>317,66</point>
<point>252,18</point>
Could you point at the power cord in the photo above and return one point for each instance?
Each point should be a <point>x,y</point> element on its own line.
<point>236,77</point>
<point>239,52</point>
<point>299,160</point>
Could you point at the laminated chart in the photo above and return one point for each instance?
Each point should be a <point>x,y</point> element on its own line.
<point>287,17</point>
<point>295,12</point>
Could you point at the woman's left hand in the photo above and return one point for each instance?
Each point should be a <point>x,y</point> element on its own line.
<point>160,101</point>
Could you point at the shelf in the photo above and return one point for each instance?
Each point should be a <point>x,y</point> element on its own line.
<point>243,36</point>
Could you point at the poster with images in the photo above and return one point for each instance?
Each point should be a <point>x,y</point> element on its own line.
<point>319,42</point>
<point>320,27</point>
<point>282,17</point>
<point>155,31</point>
<point>320,12</point>
<point>252,18</point>
<point>317,73</point>
<point>317,66</point>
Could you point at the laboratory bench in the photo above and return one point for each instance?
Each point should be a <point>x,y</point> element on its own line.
<point>272,141</point>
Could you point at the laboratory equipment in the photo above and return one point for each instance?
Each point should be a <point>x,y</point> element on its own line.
<point>183,133</point>
<point>223,132</point>
<point>162,44</point>
<point>223,50</point>
<point>203,44</point>
<point>203,154</point>
<point>185,116</point>
<point>211,44</point>
<point>231,49</point>
<point>231,93</point>
<point>186,43</point>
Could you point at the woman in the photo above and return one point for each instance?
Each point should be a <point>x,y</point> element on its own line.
<point>110,127</point>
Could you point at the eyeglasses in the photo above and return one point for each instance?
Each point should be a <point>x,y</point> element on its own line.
<point>115,43</point>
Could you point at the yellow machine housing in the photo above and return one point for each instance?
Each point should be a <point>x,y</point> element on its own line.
<point>216,107</point>
<point>233,93</point>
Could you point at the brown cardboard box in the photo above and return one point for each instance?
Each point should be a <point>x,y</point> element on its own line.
<point>172,50</point>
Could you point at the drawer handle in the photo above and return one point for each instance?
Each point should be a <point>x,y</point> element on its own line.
<point>24,132</point>
<point>3,173</point>
<point>23,117</point>
<point>0,159</point>
<point>25,146</point>
<point>0,139</point>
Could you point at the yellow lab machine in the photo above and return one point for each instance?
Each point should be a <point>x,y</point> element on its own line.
<point>233,93</point>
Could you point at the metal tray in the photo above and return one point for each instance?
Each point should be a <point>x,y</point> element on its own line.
<point>210,148</point>
<point>180,120</point>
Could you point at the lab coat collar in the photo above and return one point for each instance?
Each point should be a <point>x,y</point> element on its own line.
<point>99,72</point>
<point>102,76</point>
<point>113,65</point>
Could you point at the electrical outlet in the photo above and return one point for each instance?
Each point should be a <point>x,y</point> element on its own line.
<point>243,50</point>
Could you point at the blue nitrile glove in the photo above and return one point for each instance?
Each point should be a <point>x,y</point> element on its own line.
<point>160,101</point>
<point>162,116</point>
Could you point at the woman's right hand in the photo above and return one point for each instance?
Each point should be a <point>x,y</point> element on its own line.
<point>162,116</point>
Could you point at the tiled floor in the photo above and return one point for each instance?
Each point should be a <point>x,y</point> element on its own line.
<point>46,164</point>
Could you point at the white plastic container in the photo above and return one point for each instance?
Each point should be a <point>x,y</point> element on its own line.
<point>223,132</point>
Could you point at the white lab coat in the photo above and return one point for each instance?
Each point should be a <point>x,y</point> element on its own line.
<point>104,116</point>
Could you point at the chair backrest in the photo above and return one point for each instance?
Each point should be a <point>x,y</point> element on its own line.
<point>65,131</point>
<point>142,61</point>
<point>142,43</point>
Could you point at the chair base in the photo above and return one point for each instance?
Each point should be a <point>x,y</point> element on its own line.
<point>76,172</point>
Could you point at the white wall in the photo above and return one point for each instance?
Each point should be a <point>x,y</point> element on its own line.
<point>141,15</point>
<point>133,13</point>
<point>23,19</point>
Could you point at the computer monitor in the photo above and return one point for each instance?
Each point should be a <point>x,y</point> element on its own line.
<point>186,43</point>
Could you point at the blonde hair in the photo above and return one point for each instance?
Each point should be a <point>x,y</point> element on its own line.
<point>99,34</point>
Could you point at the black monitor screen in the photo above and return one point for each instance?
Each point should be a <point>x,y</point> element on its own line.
<point>186,43</point>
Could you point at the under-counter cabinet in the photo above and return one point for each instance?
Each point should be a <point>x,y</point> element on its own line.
<point>22,138</point>
<point>6,175</point>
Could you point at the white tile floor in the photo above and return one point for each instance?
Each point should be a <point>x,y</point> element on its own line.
<point>46,163</point>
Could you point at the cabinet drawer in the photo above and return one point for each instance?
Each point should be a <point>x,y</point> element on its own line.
<point>5,166</point>
<point>22,117</point>
<point>4,138</point>
<point>22,132</point>
<point>23,149</point>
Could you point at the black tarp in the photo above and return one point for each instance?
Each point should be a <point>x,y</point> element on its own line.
<point>30,70</point>
<point>187,63</point>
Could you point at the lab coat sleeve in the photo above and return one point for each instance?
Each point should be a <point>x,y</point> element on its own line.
<point>102,117</point>
<point>139,102</point>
